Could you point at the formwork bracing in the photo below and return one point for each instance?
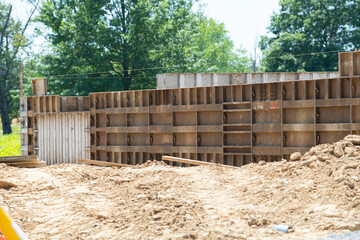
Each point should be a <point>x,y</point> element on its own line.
<point>233,125</point>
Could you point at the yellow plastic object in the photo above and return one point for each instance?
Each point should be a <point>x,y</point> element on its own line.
<point>9,228</point>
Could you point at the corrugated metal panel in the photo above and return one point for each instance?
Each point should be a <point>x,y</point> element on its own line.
<point>63,137</point>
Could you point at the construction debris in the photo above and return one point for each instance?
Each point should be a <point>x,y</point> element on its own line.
<point>23,161</point>
<point>283,228</point>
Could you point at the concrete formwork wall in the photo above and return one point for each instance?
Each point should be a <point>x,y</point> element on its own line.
<point>55,128</point>
<point>234,124</point>
<point>231,124</point>
<point>180,80</point>
<point>63,137</point>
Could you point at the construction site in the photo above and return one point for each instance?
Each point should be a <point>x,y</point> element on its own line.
<point>203,156</point>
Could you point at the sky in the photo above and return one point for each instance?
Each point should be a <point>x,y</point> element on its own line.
<point>244,19</point>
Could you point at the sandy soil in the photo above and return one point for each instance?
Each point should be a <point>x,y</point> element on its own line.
<point>317,194</point>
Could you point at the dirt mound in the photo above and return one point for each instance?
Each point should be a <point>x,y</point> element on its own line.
<point>150,163</point>
<point>317,194</point>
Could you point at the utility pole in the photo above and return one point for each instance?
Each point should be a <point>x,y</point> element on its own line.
<point>21,79</point>
<point>255,49</point>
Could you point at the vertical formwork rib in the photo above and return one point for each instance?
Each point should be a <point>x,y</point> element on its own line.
<point>234,124</point>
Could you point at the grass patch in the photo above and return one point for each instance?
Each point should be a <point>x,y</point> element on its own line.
<point>10,144</point>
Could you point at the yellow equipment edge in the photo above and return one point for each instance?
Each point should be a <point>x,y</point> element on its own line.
<point>9,228</point>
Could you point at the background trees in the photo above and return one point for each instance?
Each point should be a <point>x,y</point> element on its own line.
<point>311,26</point>
<point>12,39</point>
<point>127,42</point>
<point>103,45</point>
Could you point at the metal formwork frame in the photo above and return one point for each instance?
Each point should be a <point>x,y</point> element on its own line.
<point>233,124</point>
<point>50,117</point>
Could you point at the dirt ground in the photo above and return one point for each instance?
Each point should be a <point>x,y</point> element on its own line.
<point>317,194</point>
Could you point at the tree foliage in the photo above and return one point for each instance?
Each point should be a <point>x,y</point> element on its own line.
<point>306,34</point>
<point>12,39</point>
<point>127,42</point>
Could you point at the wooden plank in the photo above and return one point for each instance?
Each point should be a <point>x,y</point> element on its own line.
<point>102,163</point>
<point>194,162</point>
<point>19,157</point>
<point>6,185</point>
<point>27,165</point>
<point>8,161</point>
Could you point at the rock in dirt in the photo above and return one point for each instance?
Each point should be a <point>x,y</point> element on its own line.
<point>323,157</point>
<point>338,150</point>
<point>7,185</point>
<point>350,151</point>
<point>355,139</point>
<point>307,163</point>
<point>295,156</point>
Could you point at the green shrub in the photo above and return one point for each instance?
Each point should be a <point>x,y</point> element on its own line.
<point>10,144</point>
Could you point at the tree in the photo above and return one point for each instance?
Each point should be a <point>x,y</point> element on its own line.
<point>12,39</point>
<point>307,34</point>
<point>213,50</point>
<point>127,42</point>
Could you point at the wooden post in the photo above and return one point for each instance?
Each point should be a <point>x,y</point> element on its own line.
<point>21,79</point>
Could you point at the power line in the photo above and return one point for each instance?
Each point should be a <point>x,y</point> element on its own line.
<point>306,54</point>
<point>86,78</point>
<point>154,68</point>
<point>77,74</point>
<point>114,72</point>
<point>178,66</point>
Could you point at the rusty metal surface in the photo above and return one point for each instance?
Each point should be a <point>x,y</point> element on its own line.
<point>231,125</point>
<point>234,125</point>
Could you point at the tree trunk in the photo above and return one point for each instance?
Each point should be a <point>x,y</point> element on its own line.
<point>125,47</point>
<point>4,108</point>
<point>126,79</point>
